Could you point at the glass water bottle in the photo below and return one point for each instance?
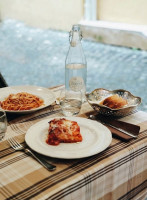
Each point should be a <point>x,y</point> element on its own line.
<point>75,63</point>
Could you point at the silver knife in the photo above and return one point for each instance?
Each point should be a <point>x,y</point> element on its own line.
<point>120,129</point>
<point>93,117</point>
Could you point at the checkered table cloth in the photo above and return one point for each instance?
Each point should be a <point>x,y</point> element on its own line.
<point>119,172</point>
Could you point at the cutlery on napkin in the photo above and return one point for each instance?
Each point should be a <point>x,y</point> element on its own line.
<point>118,128</point>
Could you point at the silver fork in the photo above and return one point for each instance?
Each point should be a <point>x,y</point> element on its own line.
<point>18,147</point>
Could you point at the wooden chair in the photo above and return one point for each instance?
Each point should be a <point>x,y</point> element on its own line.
<point>2,82</point>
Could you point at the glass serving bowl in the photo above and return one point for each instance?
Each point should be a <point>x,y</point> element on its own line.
<point>98,95</point>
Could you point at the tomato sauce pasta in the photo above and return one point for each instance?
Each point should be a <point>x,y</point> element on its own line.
<point>21,101</point>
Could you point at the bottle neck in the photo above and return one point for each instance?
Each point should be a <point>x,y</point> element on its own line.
<point>75,38</point>
<point>75,53</point>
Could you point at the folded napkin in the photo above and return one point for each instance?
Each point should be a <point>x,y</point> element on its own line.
<point>109,121</point>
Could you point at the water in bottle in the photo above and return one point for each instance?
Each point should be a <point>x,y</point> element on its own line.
<point>75,64</point>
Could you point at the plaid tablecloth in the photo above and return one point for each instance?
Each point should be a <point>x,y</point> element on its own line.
<point>119,172</point>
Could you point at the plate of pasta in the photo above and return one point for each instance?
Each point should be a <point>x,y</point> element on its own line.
<point>25,99</point>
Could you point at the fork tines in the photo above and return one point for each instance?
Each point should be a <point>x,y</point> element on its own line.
<point>13,142</point>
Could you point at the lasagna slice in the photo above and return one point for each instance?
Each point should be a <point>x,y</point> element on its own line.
<point>63,131</point>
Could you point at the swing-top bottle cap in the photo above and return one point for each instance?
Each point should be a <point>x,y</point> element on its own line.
<point>76,27</point>
<point>75,35</point>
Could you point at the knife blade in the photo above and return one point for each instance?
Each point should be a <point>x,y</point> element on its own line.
<point>131,130</point>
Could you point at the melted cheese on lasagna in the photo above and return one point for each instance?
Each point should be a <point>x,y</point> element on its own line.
<point>63,131</point>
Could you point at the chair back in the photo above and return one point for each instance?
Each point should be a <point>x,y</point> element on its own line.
<point>2,82</point>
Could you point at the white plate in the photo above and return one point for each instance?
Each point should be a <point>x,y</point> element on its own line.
<point>44,93</point>
<point>96,138</point>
